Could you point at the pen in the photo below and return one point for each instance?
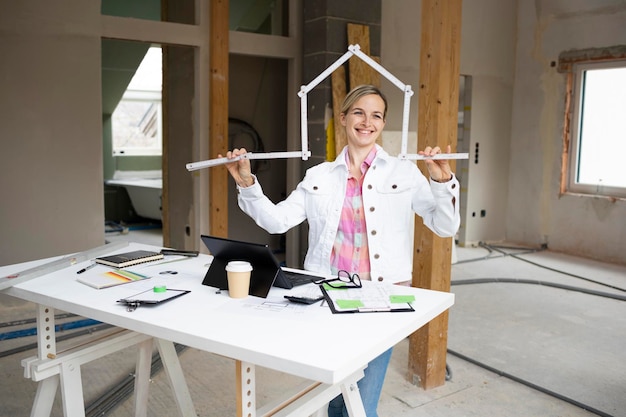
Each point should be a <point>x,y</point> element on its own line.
<point>86,268</point>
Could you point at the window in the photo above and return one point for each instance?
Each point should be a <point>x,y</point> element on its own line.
<point>137,119</point>
<point>598,134</point>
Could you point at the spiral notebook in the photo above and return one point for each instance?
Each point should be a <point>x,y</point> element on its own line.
<point>122,260</point>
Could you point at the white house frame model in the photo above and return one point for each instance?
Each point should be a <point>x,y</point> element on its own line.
<point>305,153</point>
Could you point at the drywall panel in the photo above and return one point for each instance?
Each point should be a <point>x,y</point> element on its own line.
<point>51,160</point>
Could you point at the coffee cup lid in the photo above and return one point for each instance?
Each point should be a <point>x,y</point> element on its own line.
<point>238,266</point>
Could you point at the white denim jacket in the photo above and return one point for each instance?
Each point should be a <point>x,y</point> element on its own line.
<point>393,190</point>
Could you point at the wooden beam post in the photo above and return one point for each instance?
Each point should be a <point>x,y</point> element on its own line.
<point>437,126</point>
<point>359,71</point>
<point>218,116</point>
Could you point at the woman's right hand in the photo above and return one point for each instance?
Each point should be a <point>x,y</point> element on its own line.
<point>239,170</point>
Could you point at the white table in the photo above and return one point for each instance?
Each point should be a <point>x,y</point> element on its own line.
<point>298,340</point>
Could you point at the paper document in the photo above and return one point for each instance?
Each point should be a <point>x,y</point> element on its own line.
<point>371,298</point>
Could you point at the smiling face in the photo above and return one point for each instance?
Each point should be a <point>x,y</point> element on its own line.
<point>364,120</point>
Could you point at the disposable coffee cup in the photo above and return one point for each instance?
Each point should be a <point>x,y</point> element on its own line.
<point>238,273</point>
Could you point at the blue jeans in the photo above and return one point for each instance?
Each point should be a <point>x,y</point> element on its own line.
<point>370,387</point>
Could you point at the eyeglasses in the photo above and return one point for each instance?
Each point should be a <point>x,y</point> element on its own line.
<point>343,280</point>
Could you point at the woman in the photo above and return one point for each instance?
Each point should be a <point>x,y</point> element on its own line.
<point>360,210</point>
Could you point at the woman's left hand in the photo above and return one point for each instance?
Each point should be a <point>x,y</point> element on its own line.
<point>439,169</point>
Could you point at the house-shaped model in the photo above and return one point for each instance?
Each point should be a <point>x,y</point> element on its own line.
<point>353,50</point>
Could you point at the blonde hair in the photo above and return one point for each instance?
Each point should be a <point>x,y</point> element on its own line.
<point>358,92</point>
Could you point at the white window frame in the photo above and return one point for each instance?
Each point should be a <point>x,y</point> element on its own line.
<point>574,186</point>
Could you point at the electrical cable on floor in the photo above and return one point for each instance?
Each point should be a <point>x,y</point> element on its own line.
<point>498,254</point>
<point>517,256</point>
<point>537,282</point>
<point>539,388</point>
<point>530,384</point>
<point>513,377</point>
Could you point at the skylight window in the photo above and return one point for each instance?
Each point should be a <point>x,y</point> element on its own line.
<point>137,119</point>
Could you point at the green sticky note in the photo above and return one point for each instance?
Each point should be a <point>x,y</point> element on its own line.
<point>347,304</point>
<point>396,299</point>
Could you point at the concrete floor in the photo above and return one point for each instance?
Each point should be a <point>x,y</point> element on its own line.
<point>547,339</point>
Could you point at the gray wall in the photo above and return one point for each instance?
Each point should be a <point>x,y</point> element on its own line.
<point>588,226</point>
<point>51,159</point>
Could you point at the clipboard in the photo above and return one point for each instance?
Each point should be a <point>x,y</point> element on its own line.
<point>368,299</point>
<point>151,298</point>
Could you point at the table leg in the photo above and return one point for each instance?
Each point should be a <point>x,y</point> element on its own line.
<point>246,393</point>
<point>46,336</point>
<point>174,371</point>
<point>53,370</point>
<point>62,369</point>
<point>142,377</point>
<point>44,399</point>
<point>46,347</point>
<point>72,389</point>
<point>352,398</point>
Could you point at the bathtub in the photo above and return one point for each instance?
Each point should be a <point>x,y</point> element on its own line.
<point>144,191</point>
